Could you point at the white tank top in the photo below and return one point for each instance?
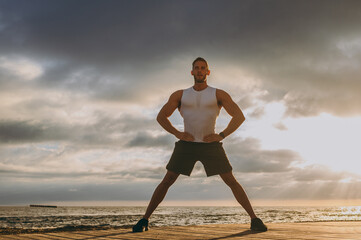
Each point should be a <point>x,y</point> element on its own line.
<point>199,110</point>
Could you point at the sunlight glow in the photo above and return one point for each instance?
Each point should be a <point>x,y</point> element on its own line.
<point>324,139</point>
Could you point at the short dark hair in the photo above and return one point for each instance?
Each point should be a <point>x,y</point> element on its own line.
<point>199,59</point>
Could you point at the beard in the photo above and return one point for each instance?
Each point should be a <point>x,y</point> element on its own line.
<point>200,80</point>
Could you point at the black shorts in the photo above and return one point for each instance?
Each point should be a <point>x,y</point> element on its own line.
<point>211,155</point>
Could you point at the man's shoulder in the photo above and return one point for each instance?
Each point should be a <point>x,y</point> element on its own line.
<point>222,95</point>
<point>180,91</point>
<point>177,95</point>
<point>221,91</point>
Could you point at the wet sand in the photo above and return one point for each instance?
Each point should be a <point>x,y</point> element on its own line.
<point>311,230</point>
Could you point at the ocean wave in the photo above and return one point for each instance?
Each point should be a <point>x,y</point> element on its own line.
<point>20,219</point>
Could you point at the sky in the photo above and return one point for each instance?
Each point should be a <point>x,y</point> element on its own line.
<point>81,83</point>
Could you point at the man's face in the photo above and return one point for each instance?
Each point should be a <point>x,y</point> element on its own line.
<point>200,71</point>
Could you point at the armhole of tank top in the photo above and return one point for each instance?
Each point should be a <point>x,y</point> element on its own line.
<point>218,102</point>
<point>180,101</point>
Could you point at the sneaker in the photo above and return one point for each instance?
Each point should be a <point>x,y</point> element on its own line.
<point>258,225</point>
<point>142,224</point>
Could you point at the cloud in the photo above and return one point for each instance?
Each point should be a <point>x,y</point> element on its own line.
<point>269,176</point>
<point>296,50</point>
<point>312,182</point>
<point>25,131</point>
<point>22,68</point>
<point>145,139</point>
<point>274,185</point>
<point>44,192</point>
<point>322,190</point>
<point>257,112</point>
<point>247,156</point>
<point>319,173</point>
<point>280,126</point>
<point>104,130</point>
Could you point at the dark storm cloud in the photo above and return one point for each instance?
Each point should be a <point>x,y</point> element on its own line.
<point>144,139</point>
<point>126,123</point>
<point>130,174</point>
<point>112,46</point>
<point>41,192</point>
<point>110,31</point>
<point>98,133</point>
<point>45,175</point>
<point>31,132</point>
<point>25,131</point>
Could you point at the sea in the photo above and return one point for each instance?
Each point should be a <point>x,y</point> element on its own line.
<point>104,217</point>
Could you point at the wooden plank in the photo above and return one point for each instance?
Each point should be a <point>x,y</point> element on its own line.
<point>294,231</point>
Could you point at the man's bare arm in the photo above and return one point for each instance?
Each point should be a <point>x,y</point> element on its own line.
<point>233,110</point>
<point>166,111</point>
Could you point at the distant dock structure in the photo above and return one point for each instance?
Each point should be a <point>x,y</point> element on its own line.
<point>43,206</point>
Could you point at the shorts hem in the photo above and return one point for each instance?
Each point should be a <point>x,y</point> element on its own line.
<point>218,173</point>
<point>179,172</point>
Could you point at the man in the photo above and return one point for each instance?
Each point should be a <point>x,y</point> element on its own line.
<point>199,106</point>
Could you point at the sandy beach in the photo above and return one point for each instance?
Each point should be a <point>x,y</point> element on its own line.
<point>310,230</point>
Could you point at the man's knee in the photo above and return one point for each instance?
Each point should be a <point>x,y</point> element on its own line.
<point>232,182</point>
<point>167,182</point>
<point>169,179</point>
<point>229,179</point>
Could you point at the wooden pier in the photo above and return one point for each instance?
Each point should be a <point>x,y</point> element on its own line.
<point>289,231</point>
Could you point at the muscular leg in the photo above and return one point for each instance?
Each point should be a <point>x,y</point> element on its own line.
<point>238,192</point>
<point>160,192</point>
